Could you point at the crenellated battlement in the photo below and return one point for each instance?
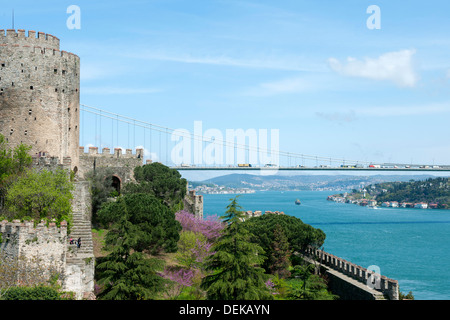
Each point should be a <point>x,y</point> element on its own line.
<point>121,164</point>
<point>106,153</point>
<point>44,51</point>
<point>26,239</point>
<point>386,286</point>
<point>29,229</point>
<point>42,161</point>
<point>33,38</point>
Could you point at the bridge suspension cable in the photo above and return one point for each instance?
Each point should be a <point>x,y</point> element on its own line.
<point>166,130</point>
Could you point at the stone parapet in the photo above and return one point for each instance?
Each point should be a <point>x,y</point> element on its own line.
<point>106,153</point>
<point>386,286</point>
<point>20,37</point>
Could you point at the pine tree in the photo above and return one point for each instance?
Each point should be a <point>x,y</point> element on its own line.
<point>280,253</point>
<point>129,276</point>
<point>235,263</point>
<point>138,223</point>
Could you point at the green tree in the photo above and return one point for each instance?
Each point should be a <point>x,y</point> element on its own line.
<point>127,275</point>
<point>299,234</point>
<point>308,286</point>
<point>161,181</point>
<point>193,248</point>
<point>101,188</point>
<point>151,225</point>
<point>236,274</point>
<point>137,223</point>
<point>41,195</point>
<point>13,162</point>
<point>279,264</point>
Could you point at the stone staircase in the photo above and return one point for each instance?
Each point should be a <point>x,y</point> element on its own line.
<point>80,261</point>
<point>81,228</point>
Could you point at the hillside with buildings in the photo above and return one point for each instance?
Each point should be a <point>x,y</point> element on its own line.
<point>431,193</point>
<point>297,182</point>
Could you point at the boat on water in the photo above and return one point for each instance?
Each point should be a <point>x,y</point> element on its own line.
<point>297,201</point>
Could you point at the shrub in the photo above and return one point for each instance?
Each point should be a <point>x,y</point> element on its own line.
<point>31,293</point>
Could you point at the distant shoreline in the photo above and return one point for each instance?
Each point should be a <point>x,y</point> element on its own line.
<point>386,204</point>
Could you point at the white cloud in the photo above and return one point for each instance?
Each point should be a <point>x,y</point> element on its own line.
<point>290,63</point>
<point>392,66</point>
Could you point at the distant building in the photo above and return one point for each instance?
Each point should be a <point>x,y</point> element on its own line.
<point>372,203</point>
<point>421,205</point>
<point>394,204</point>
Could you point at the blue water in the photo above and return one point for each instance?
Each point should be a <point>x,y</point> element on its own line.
<point>408,245</point>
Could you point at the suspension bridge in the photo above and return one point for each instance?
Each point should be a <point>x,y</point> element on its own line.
<point>210,150</point>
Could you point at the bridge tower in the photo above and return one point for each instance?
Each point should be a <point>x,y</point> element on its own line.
<point>39,94</point>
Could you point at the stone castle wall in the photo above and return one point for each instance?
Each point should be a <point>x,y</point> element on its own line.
<point>39,94</point>
<point>387,287</point>
<point>119,164</point>
<point>193,203</point>
<point>47,243</point>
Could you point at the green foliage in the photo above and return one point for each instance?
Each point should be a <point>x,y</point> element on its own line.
<point>161,181</point>
<point>31,293</point>
<point>305,285</point>
<point>408,296</point>
<point>137,223</point>
<point>129,276</point>
<point>140,222</point>
<point>299,235</point>
<point>101,188</point>
<point>189,245</point>
<point>280,253</point>
<point>41,195</point>
<point>235,263</point>
<point>12,163</point>
<point>430,190</point>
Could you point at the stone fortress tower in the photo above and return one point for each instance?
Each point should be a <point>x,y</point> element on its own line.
<point>39,94</point>
<point>40,107</point>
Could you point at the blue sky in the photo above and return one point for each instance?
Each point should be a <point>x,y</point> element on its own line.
<point>311,69</point>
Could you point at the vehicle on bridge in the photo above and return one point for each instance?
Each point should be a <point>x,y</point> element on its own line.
<point>244,165</point>
<point>347,166</point>
<point>270,165</point>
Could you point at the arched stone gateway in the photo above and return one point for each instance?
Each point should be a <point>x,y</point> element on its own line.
<point>116,183</point>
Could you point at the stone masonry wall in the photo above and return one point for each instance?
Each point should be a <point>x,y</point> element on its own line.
<point>122,165</point>
<point>388,287</point>
<point>39,94</point>
<point>22,239</point>
<point>193,203</point>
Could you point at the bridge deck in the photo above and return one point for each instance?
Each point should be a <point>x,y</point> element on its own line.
<point>199,168</point>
